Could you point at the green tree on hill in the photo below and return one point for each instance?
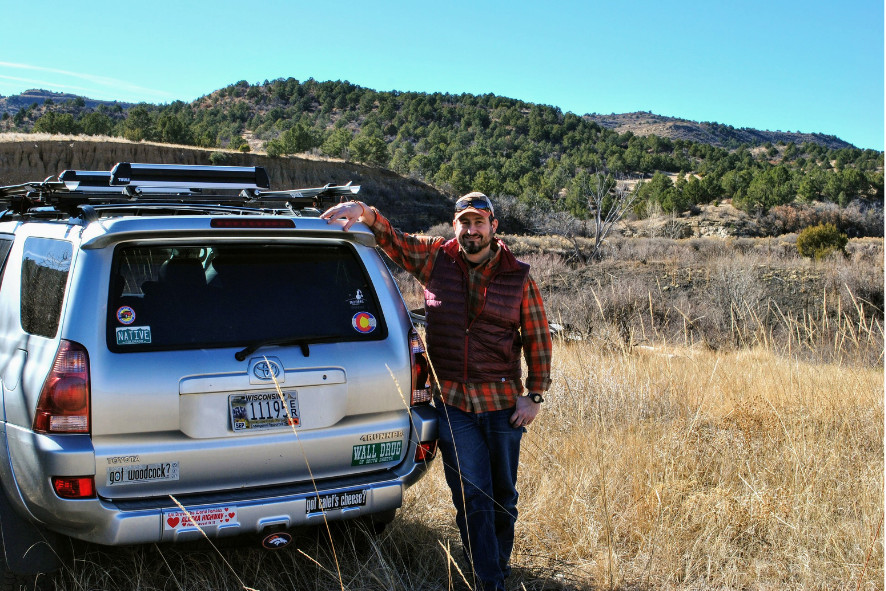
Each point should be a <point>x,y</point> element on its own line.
<point>139,124</point>
<point>52,122</point>
<point>337,144</point>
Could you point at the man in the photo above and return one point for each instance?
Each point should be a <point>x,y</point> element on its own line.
<point>482,309</point>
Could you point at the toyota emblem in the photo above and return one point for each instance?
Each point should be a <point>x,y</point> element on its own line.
<point>265,370</point>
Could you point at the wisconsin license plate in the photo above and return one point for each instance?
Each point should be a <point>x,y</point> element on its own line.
<point>264,410</point>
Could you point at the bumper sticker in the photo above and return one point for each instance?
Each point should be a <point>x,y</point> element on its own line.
<point>332,501</point>
<point>133,335</point>
<point>125,315</point>
<point>175,520</point>
<point>142,473</point>
<point>363,322</point>
<point>376,453</point>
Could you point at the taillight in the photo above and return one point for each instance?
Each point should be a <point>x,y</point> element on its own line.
<point>74,487</point>
<point>426,451</point>
<point>64,401</point>
<point>421,370</point>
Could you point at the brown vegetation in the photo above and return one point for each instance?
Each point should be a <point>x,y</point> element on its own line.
<point>663,468</point>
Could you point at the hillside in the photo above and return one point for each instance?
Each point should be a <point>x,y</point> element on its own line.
<point>714,134</point>
<point>509,149</point>
<point>11,104</point>
<point>639,123</point>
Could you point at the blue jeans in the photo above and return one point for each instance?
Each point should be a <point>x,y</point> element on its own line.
<point>485,449</point>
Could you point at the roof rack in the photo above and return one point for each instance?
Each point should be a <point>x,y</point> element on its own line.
<point>195,177</point>
<point>147,188</point>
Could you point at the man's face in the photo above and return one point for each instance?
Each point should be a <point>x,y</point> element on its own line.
<point>474,232</point>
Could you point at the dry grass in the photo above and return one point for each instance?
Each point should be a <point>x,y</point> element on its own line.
<point>656,469</point>
<point>658,462</point>
<point>737,470</point>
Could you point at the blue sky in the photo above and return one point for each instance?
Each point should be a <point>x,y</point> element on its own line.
<point>809,66</point>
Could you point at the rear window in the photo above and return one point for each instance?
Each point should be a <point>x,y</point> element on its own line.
<point>169,297</point>
<point>45,266</point>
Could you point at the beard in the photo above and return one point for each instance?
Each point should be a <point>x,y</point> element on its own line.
<point>473,247</point>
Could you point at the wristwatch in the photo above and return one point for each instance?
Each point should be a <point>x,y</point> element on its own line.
<point>535,397</point>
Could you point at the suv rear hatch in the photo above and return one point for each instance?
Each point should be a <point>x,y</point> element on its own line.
<point>246,364</point>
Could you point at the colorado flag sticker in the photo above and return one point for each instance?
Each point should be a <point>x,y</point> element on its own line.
<point>363,322</point>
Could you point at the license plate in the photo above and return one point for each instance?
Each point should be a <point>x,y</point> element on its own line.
<point>264,410</point>
<point>333,501</point>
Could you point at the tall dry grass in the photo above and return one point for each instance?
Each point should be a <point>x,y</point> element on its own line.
<point>660,468</point>
<point>659,461</point>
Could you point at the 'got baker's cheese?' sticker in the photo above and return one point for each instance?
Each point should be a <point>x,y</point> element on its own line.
<point>363,322</point>
<point>125,315</point>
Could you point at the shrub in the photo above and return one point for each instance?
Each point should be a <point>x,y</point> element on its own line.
<point>819,241</point>
<point>273,149</point>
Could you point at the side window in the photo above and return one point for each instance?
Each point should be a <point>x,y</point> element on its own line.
<point>45,266</point>
<point>5,245</point>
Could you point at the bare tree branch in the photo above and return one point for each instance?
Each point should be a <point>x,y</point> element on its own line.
<point>609,199</point>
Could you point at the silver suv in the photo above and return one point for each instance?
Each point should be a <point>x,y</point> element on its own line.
<point>184,353</point>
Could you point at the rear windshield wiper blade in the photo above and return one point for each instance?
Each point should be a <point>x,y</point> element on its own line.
<point>302,342</point>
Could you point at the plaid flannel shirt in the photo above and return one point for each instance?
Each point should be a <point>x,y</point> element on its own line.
<point>416,254</point>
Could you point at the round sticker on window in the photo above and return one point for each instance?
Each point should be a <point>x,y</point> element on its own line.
<point>125,315</point>
<point>363,322</point>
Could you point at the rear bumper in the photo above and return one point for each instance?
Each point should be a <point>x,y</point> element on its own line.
<point>255,511</point>
<point>250,510</point>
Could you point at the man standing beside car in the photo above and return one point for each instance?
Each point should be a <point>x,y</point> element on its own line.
<point>482,308</point>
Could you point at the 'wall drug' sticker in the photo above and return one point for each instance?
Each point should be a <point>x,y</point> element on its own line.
<point>363,322</point>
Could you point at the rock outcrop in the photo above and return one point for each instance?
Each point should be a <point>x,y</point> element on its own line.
<point>409,203</point>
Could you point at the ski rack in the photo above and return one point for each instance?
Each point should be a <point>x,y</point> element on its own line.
<point>158,188</point>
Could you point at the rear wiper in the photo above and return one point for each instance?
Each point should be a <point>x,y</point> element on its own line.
<point>302,342</point>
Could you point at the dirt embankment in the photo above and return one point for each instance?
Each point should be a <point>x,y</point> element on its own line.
<point>409,203</point>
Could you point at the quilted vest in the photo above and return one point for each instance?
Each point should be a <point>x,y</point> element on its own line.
<point>488,348</point>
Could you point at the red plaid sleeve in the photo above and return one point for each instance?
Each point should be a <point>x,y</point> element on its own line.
<point>536,335</point>
<point>414,253</point>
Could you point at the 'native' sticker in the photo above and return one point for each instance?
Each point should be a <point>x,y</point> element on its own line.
<point>125,315</point>
<point>133,335</point>
<point>363,322</point>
